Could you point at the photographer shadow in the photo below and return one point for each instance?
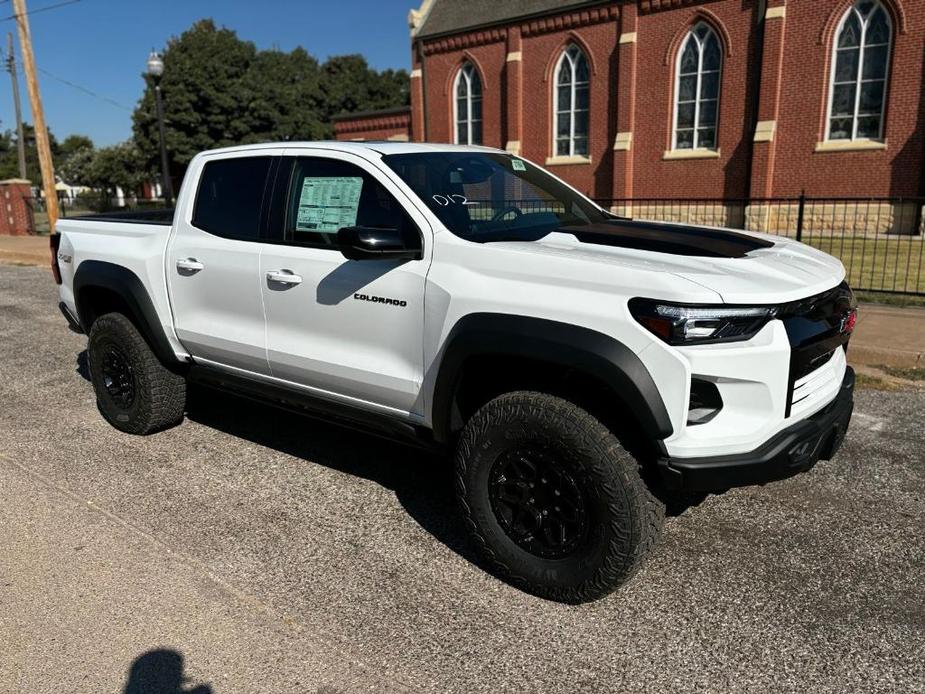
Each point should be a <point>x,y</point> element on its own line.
<point>160,671</point>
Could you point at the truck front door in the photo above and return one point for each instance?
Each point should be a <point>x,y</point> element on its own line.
<point>347,329</point>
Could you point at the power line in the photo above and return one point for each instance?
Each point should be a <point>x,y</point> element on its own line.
<point>41,9</point>
<point>78,87</point>
<point>85,90</point>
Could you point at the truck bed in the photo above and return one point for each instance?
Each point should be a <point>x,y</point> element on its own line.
<point>135,241</point>
<point>162,216</point>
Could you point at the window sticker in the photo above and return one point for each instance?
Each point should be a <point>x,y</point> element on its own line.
<point>329,203</point>
<point>518,165</point>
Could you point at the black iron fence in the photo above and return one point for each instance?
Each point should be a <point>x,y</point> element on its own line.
<point>879,240</point>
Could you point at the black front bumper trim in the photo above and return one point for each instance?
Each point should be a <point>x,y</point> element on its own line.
<point>794,450</point>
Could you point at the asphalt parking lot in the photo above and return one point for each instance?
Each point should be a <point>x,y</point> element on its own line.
<point>273,553</point>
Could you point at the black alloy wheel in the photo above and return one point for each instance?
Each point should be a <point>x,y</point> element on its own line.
<point>555,505</point>
<point>135,392</point>
<point>118,377</point>
<point>537,502</point>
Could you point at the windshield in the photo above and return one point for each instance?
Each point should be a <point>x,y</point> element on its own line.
<point>484,196</point>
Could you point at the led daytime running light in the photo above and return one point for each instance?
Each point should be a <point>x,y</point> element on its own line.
<point>711,313</point>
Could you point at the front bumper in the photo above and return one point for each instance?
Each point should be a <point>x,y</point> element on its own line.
<point>794,450</point>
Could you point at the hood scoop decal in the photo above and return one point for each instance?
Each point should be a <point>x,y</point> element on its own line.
<point>667,238</point>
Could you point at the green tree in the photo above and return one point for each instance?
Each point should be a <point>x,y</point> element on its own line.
<point>75,157</point>
<point>204,97</point>
<point>120,166</point>
<point>349,85</point>
<point>284,98</point>
<point>219,91</point>
<point>9,161</point>
<point>75,169</point>
<point>72,144</point>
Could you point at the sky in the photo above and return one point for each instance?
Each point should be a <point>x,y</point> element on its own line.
<point>102,46</point>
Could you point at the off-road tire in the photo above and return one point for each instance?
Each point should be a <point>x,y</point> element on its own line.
<point>625,518</point>
<point>158,395</point>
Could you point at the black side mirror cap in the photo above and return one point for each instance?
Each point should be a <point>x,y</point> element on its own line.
<point>378,243</point>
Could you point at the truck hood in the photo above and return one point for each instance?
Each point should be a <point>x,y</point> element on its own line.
<point>742,267</point>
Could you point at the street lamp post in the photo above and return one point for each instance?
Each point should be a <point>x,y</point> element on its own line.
<point>155,70</point>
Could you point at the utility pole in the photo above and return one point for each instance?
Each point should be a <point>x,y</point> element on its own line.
<point>20,138</point>
<point>38,115</point>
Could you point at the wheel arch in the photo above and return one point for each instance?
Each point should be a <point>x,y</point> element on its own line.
<point>537,343</point>
<point>101,287</point>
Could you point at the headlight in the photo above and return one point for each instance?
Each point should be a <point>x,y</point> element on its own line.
<point>679,324</point>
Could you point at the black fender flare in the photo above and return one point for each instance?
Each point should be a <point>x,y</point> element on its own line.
<point>131,290</point>
<point>589,351</point>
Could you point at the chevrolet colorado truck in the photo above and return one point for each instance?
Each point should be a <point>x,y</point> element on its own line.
<point>584,367</point>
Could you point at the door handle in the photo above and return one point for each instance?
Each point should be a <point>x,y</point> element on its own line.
<point>189,265</point>
<point>284,277</point>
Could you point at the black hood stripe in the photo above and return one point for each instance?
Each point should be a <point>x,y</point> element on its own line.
<point>668,238</point>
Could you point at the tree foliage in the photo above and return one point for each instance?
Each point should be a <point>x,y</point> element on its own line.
<point>219,90</point>
<point>9,159</point>
<point>120,166</point>
<point>350,85</point>
<point>72,144</point>
<point>75,157</point>
<point>75,168</point>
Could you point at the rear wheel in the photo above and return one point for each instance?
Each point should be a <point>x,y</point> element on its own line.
<point>134,391</point>
<point>555,504</point>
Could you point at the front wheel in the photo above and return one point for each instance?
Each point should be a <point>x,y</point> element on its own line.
<point>554,503</point>
<point>134,391</point>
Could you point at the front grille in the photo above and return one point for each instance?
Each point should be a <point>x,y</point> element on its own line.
<point>815,329</point>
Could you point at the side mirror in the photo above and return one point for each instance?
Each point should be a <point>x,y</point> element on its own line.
<point>376,243</point>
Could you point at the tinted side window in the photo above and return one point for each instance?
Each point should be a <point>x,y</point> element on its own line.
<point>230,196</point>
<point>327,195</point>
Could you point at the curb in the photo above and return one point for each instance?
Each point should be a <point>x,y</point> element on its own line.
<point>864,355</point>
<point>13,258</point>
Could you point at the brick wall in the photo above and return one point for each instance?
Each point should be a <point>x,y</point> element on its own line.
<point>893,171</point>
<point>659,37</point>
<point>390,124</point>
<point>775,76</point>
<point>15,214</point>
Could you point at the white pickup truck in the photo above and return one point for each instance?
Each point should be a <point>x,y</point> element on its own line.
<point>584,367</point>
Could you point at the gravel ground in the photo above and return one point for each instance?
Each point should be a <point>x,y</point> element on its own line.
<point>280,554</point>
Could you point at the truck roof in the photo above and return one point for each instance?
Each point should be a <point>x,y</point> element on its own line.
<point>363,148</point>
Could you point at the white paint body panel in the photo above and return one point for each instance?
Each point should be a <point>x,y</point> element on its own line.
<point>315,336</point>
<point>139,247</point>
<point>319,335</point>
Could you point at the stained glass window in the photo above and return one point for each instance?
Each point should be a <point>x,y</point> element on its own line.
<point>467,110</point>
<point>700,63</point>
<point>571,103</point>
<point>859,73</point>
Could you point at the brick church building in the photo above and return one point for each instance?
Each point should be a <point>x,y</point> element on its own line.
<point>643,99</point>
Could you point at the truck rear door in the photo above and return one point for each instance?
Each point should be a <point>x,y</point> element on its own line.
<point>213,261</point>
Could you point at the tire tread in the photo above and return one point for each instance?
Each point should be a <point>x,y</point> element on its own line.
<point>162,392</point>
<point>641,516</point>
